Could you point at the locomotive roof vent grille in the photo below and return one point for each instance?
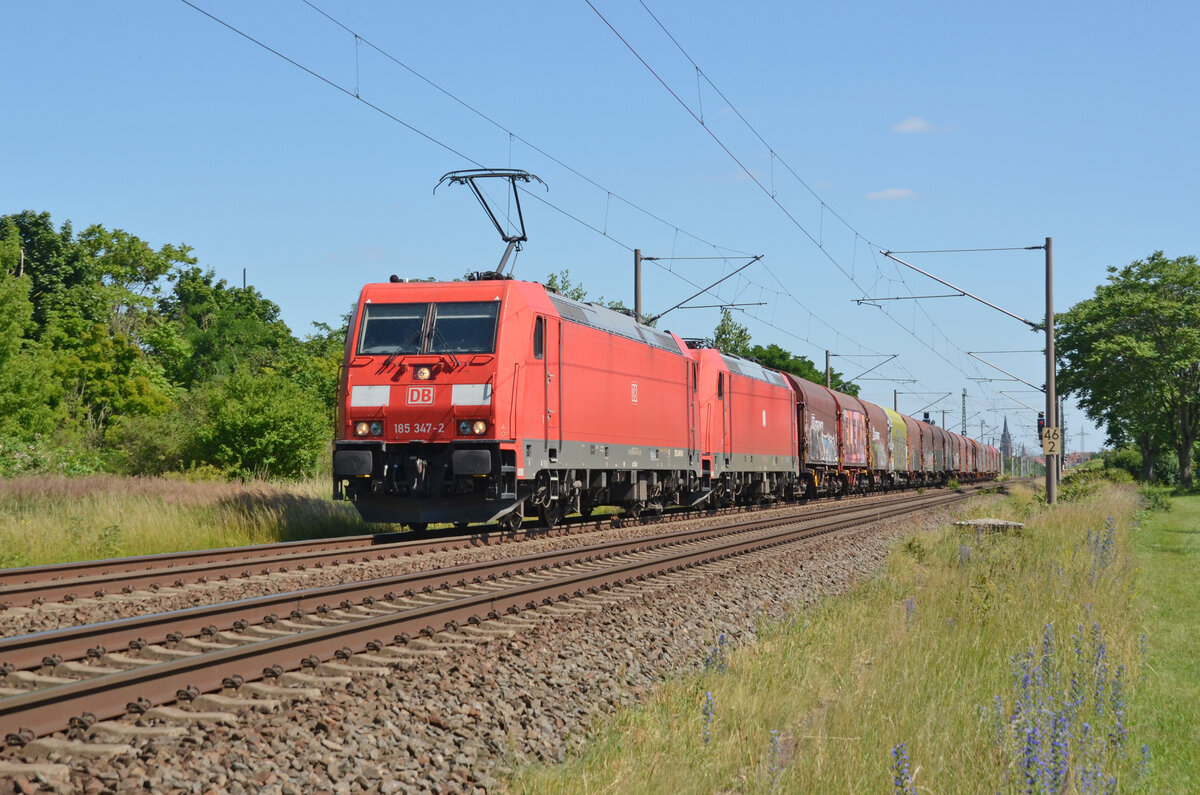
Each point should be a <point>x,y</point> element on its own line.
<point>569,311</point>
<point>752,370</point>
<point>605,319</point>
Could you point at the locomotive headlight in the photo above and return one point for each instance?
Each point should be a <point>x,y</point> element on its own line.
<point>365,428</point>
<point>423,373</point>
<point>472,427</point>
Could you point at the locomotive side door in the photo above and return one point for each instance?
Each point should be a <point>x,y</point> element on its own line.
<point>552,385</point>
<point>725,398</point>
<point>693,443</point>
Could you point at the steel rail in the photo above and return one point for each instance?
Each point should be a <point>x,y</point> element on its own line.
<point>98,578</point>
<point>31,585</point>
<point>30,651</point>
<point>43,711</point>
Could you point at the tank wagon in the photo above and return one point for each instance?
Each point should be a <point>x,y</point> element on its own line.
<point>494,399</point>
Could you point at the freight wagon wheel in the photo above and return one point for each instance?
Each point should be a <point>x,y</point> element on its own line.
<point>418,527</point>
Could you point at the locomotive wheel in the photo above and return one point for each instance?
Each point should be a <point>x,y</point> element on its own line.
<point>550,514</point>
<point>634,510</point>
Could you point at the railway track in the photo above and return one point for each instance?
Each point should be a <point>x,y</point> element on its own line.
<point>67,582</point>
<point>68,677</point>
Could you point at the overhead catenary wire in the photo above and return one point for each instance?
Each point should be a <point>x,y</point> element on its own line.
<point>512,135</point>
<point>824,207</point>
<point>964,365</point>
<point>356,93</point>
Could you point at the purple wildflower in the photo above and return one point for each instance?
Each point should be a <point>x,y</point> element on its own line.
<point>1117,736</point>
<point>1143,768</point>
<point>709,710</point>
<point>776,757</point>
<point>1031,757</point>
<point>901,776</point>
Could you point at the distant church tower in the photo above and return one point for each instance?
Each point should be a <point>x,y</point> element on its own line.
<point>1006,441</point>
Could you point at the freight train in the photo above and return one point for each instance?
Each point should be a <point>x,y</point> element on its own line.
<point>491,399</point>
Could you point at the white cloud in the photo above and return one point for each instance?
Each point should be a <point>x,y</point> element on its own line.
<point>913,124</point>
<point>892,193</point>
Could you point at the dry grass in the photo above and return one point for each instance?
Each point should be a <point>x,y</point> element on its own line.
<point>56,519</point>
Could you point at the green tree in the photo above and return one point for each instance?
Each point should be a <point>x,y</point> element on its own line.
<point>93,300</point>
<point>52,259</point>
<point>101,276</point>
<point>216,329</point>
<point>730,336</point>
<point>31,398</point>
<point>317,366</point>
<point>109,346</point>
<point>561,283</point>
<point>1131,356</point>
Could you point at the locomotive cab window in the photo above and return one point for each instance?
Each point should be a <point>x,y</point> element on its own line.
<point>539,337</point>
<point>459,327</point>
<point>467,327</point>
<point>392,329</point>
<point>720,386</point>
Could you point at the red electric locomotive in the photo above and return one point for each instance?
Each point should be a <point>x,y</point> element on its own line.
<point>747,430</point>
<point>485,400</point>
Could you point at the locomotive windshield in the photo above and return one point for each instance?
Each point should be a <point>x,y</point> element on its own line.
<point>468,327</point>
<point>392,328</point>
<point>398,329</point>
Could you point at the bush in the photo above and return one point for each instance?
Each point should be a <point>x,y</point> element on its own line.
<point>1166,468</point>
<point>1080,483</point>
<point>1155,498</point>
<point>43,455</point>
<point>261,425</point>
<point>240,426</point>
<point>1127,459</point>
<point>151,445</point>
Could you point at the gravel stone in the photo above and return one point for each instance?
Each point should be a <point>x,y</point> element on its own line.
<point>458,719</point>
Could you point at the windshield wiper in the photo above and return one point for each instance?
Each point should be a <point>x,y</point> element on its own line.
<point>400,349</point>
<point>445,342</point>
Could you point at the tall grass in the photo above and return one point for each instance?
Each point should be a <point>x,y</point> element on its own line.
<point>977,662</point>
<point>1168,547</point>
<point>59,519</point>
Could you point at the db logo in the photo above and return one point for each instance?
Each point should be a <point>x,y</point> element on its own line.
<point>420,396</point>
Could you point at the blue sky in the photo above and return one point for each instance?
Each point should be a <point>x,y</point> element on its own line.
<point>910,126</point>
